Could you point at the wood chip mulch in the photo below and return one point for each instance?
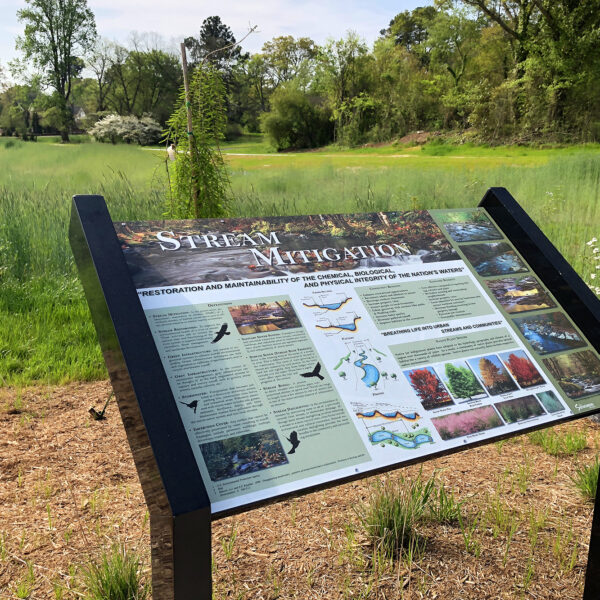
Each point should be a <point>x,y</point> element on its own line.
<point>69,490</point>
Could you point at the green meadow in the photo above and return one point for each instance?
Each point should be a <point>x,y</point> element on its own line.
<point>45,331</point>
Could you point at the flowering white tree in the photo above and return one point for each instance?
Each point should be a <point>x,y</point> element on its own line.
<point>114,128</point>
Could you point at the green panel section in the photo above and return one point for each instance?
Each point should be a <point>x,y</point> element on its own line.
<point>453,347</point>
<point>243,392</point>
<point>420,302</point>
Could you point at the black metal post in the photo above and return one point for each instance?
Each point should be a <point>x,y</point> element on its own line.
<point>179,507</point>
<point>592,574</point>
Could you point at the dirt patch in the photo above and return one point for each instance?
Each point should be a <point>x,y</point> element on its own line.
<point>416,137</point>
<point>68,488</point>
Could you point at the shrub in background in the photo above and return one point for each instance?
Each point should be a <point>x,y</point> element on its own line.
<point>115,128</point>
<point>297,120</point>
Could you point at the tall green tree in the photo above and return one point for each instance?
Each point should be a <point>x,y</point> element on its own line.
<point>344,75</point>
<point>215,42</point>
<point>285,57</point>
<point>140,81</point>
<point>516,17</point>
<point>410,29</point>
<point>3,79</point>
<point>19,109</point>
<point>462,382</point>
<point>99,62</point>
<point>58,33</point>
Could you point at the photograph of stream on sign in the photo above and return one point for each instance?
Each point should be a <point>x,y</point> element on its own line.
<point>301,350</point>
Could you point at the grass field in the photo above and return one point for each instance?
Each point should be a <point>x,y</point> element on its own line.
<point>45,332</point>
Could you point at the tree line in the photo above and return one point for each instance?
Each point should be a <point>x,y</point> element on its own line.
<point>517,70</point>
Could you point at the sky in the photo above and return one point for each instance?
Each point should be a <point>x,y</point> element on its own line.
<point>176,19</point>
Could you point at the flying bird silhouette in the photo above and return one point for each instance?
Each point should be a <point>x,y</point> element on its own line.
<point>316,372</point>
<point>294,441</point>
<point>223,331</point>
<point>193,405</point>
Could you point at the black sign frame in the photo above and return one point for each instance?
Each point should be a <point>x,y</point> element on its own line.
<point>178,503</point>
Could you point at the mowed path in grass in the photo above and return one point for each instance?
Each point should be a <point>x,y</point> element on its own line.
<point>45,331</point>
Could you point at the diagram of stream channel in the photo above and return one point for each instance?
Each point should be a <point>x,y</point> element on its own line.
<point>371,376</point>
<point>387,425</point>
<point>368,361</point>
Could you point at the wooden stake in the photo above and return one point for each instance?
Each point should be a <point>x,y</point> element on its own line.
<point>190,132</point>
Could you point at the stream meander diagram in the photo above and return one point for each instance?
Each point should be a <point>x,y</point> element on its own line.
<point>409,441</point>
<point>372,375</point>
<point>393,427</point>
<point>370,370</point>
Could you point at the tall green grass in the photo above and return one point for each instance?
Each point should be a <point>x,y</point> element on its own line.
<point>116,575</point>
<point>585,479</point>
<point>45,332</point>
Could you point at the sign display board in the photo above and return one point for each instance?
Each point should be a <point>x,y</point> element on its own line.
<point>303,350</point>
<point>261,357</point>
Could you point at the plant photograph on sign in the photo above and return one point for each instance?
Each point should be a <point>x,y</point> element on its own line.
<point>492,374</point>
<point>578,374</point>
<point>429,388</point>
<point>264,316</point>
<point>523,294</point>
<point>460,381</point>
<point>550,332</point>
<point>521,368</point>
<point>243,454</point>
<point>550,402</point>
<point>493,259</point>
<point>470,226</point>
<point>519,409</point>
<point>467,422</point>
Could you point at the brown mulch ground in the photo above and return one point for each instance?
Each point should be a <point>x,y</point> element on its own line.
<point>68,489</point>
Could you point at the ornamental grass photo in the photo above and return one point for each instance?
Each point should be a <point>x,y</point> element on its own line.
<point>519,409</point>
<point>550,402</point>
<point>467,422</point>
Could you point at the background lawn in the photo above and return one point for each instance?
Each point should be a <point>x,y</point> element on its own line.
<point>45,331</point>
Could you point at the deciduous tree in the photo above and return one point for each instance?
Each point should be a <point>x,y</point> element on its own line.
<point>57,34</point>
<point>429,388</point>
<point>285,57</point>
<point>524,370</point>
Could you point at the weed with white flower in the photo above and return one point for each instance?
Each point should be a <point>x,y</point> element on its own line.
<point>591,262</point>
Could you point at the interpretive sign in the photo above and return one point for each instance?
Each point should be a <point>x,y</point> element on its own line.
<point>287,353</point>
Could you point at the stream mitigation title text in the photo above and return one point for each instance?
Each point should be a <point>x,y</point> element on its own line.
<point>274,256</point>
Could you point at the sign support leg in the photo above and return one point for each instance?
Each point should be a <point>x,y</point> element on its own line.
<point>181,556</point>
<point>592,575</point>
